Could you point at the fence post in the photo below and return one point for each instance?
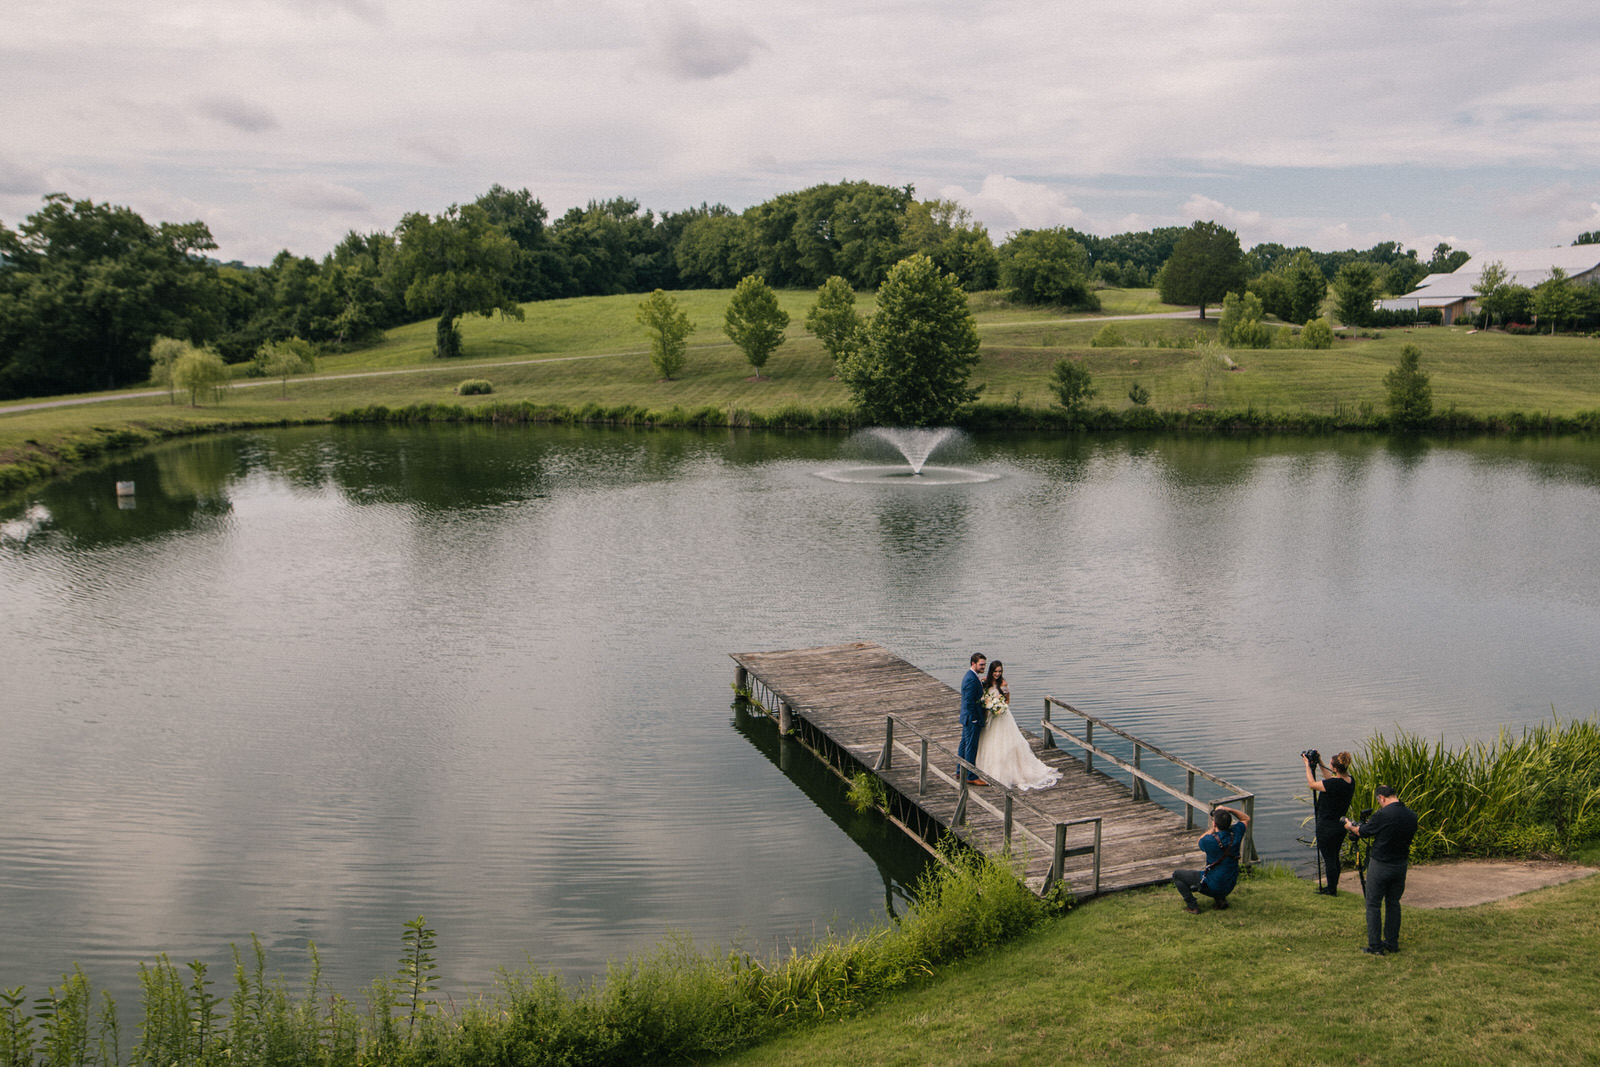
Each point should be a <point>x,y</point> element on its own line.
<point>1098,826</point>
<point>785,725</point>
<point>1188,805</point>
<point>1250,830</point>
<point>1140,790</point>
<point>922,778</point>
<point>961,802</point>
<point>887,754</point>
<point>1088,753</point>
<point>1058,865</point>
<point>1008,820</point>
<point>1049,738</point>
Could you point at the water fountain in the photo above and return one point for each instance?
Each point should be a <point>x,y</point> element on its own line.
<point>915,446</point>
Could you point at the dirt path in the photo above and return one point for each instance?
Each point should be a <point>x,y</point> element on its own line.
<point>1463,883</point>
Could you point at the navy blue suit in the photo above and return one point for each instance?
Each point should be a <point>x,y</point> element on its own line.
<point>972,717</point>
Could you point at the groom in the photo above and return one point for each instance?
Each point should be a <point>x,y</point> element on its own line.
<point>972,716</point>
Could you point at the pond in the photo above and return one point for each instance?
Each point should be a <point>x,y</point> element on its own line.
<point>312,683</point>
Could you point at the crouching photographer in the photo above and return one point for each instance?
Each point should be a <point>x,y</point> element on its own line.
<point>1330,800</point>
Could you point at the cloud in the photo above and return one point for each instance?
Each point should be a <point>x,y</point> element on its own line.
<point>688,47</point>
<point>321,196</point>
<point>1006,204</point>
<point>16,179</point>
<point>243,115</point>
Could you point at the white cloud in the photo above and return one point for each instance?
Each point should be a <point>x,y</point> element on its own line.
<point>687,46</point>
<point>237,112</point>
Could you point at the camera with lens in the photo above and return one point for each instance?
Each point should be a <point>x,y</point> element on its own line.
<point>1312,757</point>
<point>1366,813</point>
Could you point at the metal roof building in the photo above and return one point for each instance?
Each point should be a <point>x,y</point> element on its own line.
<point>1453,294</point>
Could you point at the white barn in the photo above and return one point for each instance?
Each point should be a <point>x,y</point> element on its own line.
<point>1452,293</point>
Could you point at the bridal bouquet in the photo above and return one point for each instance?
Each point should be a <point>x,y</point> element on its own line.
<point>994,703</point>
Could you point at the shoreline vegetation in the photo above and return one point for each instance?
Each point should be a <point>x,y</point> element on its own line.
<point>981,969</point>
<point>584,361</point>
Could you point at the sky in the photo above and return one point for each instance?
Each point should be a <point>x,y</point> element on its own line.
<point>289,123</point>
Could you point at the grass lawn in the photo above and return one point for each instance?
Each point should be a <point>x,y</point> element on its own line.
<point>578,352</point>
<point>1278,978</point>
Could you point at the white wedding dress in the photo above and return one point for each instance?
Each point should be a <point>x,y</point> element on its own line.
<point>1004,756</point>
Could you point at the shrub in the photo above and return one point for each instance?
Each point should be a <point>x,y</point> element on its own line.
<point>1109,336</point>
<point>1138,394</point>
<point>1073,385</point>
<point>474,387</point>
<point>1317,334</point>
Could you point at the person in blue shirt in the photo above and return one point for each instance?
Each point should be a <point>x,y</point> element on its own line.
<point>1222,847</point>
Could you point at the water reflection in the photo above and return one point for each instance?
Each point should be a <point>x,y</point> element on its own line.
<point>323,680</point>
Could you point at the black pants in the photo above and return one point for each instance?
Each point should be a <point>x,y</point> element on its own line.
<point>1386,882</point>
<point>1330,842</point>
<point>1189,883</point>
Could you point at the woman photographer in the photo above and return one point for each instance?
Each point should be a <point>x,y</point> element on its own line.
<point>1336,790</point>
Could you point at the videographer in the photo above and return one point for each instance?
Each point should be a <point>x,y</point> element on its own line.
<point>1389,831</point>
<point>1221,849</point>
<point>1330,807</point>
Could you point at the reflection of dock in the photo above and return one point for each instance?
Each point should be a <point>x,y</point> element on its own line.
<point>861,707</point>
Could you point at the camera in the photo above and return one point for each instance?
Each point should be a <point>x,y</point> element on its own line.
<point>1366,813</point>
<point>1312,757</point>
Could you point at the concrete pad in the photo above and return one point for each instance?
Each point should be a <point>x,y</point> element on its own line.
<point>1463,883</point>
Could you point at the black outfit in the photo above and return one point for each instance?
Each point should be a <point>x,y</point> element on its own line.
<point>1389,831</point>
<point>1331,808</point>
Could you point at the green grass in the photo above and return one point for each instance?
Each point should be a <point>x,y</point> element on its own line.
<point>583,353</point>
<point>1132,979</point>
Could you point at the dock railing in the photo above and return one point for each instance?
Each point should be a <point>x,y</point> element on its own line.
<point>1141,779</point>
<point>1006,812</point>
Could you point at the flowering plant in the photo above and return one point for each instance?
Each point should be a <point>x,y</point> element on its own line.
<point>994,703</point>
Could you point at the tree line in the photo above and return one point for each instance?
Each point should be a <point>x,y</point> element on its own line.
<point>86,288</point>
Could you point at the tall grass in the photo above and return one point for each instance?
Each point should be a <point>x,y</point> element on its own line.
<point>1528,795</point>
<point>676,1004</point>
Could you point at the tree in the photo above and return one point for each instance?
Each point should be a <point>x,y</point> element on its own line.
<point>1445,259</point>
<point>164,353</point>
<point>537,271</point>
<point>917,351</point>
<point>1554,299</point>
<point>834,320</point>
<point>1355,288</point>
<point>1491,289</point>
<point>1306,287</point>
<point>754,321</point>
<point>200,370</point>
<point>945,232</point>
<point>1206,263</point>
<point>1241,325</point>
<point>669,328</point>
<point>457,264</point>
<point>84,290</point>
<point>1588,237</point>
<point>1046,267</point>
<point>1073,386</point>
<point>1410,394</point>
<point>281,359</point>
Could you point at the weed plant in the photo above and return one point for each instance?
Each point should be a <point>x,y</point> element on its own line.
<point>1533,795</point>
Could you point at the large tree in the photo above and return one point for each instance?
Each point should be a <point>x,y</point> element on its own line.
<point>1206,264</point>
<point>754,321</point>
<point>85,288</point>
<point>458,263</point>
<point>1306,287</point>
<point>918,349</point>
<point>1046,267</point>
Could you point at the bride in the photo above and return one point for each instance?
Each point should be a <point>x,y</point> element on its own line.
<point>1003,753</point>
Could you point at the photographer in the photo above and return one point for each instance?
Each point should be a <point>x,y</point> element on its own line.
<point>1389,831</point>
<point>1330,809</point>
<point>1221,847</point>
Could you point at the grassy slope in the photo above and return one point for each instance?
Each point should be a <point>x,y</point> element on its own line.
<point>583,351</point>
<point>1279,978</point>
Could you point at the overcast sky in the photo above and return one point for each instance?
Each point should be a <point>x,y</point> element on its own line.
<point>287,123</point>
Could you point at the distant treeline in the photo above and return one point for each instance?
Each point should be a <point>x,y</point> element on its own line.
<point>85,287</point>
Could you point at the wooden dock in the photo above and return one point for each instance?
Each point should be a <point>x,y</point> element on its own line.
<point>860,707</point>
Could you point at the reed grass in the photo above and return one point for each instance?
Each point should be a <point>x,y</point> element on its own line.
<point>1533,794</point>
<point>677,1004</point>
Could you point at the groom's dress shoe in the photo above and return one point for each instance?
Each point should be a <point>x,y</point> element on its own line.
<point>977,781</point>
